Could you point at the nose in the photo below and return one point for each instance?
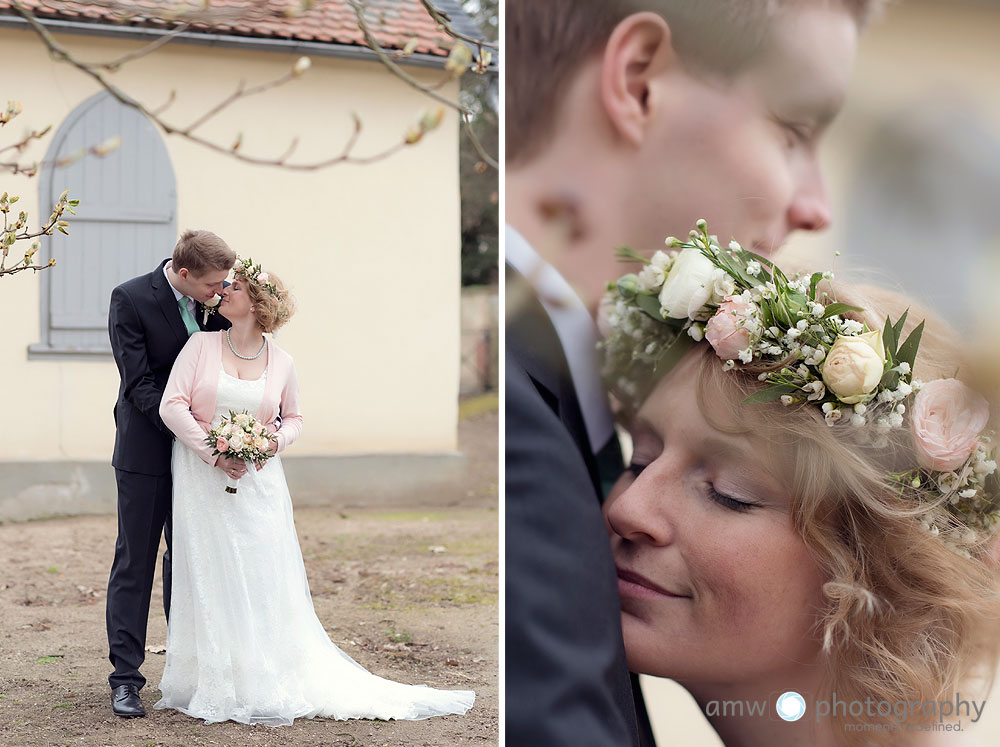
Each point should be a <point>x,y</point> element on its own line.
<point>810,206</point>
<point>641,509</point>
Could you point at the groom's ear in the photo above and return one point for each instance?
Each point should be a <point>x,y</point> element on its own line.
<point>638,50</point>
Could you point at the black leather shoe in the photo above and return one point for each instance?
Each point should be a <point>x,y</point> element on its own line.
<point>125,701</point>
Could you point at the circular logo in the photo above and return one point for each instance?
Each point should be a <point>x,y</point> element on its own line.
<point>791,706</point>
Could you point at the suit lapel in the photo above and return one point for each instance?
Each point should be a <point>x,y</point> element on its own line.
<point>165,299</point>
<point>533,342</point>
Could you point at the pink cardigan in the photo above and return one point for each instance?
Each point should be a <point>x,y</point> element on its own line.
<point>188,403</point>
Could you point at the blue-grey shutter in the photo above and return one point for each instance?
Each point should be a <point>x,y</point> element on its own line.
<point>125,224</point>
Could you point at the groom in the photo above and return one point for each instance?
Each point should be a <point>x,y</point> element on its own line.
<point>151,318</point>
<point>626,121</point>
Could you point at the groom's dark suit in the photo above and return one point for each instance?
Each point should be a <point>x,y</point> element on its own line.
<point>567,683</point>
<point>147,332</point>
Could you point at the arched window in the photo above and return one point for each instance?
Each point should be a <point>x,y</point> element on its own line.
<point>125,224</point>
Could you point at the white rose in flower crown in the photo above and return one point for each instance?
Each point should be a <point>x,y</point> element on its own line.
<point>651,277</point>
<point>854,365</point>
<point>262,277</point>
<point>693,282</point>
<point>661,260</point>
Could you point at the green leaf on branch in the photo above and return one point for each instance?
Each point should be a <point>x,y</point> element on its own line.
<point>836,309</point>
<point>770,394</point>
<point>908,350</point>
<point>649,305</point>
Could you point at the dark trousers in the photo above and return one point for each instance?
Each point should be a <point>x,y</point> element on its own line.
<point>143,513</point>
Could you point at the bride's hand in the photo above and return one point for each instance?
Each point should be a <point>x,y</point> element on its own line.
<point>235,469</point>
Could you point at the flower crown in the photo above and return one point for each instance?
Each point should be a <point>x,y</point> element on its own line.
<point>801,346</point>
<point>246,268</point>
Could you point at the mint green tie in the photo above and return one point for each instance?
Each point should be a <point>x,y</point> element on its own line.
<point>189,322</point>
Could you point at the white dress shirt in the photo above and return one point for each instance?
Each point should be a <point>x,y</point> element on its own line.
<point>576,330</point>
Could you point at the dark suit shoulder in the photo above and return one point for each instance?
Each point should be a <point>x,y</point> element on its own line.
<point>140,284</point>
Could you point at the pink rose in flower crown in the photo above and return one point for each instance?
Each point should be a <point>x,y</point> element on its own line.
<point>726,331</point>
<point>221,445</point>
<point>946,419</point>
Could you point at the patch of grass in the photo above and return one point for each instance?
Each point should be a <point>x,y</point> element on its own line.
<point>53,569</point>
<point>48,659</point>
<point>398,637</point>
<point>472,546</point>
<point>64,706</point>
<point>457,591</point>
<point>483,403</point>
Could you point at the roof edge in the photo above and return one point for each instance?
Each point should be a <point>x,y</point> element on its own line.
<point>265,44</point>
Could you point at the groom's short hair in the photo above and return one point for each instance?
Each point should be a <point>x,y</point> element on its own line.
<point>547,40</point>
<point>202,251</point>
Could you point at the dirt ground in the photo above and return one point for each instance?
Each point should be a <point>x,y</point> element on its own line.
<point>412,595</point>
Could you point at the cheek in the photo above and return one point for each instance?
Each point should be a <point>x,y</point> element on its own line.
<point>764,585</point>
<point>735,174</point>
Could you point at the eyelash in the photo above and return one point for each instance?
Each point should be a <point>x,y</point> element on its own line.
<point>723,500</point>
<point>727,502</point>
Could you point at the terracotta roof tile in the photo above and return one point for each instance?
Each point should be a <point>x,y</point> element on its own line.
<point>393,22</point>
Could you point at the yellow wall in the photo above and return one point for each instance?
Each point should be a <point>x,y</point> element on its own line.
<point>370,252</point>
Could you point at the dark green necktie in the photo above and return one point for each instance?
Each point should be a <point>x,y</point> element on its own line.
<point>609,464</point>
<point>187,316</point>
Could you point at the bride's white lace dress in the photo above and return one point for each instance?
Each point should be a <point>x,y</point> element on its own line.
<point>243,641</point>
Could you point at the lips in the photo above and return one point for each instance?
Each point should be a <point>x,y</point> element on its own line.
<point>635,584</point>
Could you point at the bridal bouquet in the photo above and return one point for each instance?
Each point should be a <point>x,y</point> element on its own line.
<point>240,436</point>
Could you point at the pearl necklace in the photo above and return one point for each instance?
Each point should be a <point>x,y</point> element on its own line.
<point>246,357</point>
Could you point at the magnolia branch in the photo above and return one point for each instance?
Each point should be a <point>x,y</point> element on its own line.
<point>92,70</point>
<point>443,20</point>
<point>10,234</point>
<point>454,65</point>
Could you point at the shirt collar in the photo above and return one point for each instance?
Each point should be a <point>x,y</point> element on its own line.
<point>576,330</point>
<point>177,294</point>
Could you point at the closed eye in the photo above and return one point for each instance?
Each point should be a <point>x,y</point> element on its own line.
<point>797,134</point>
<point>728,502</point>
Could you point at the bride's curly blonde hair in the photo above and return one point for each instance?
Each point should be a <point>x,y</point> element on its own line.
<point>907,618</point>
<point>272,310</point>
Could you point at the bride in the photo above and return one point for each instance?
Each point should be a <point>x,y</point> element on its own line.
<point>803,524</point>
<point>243,641</point>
